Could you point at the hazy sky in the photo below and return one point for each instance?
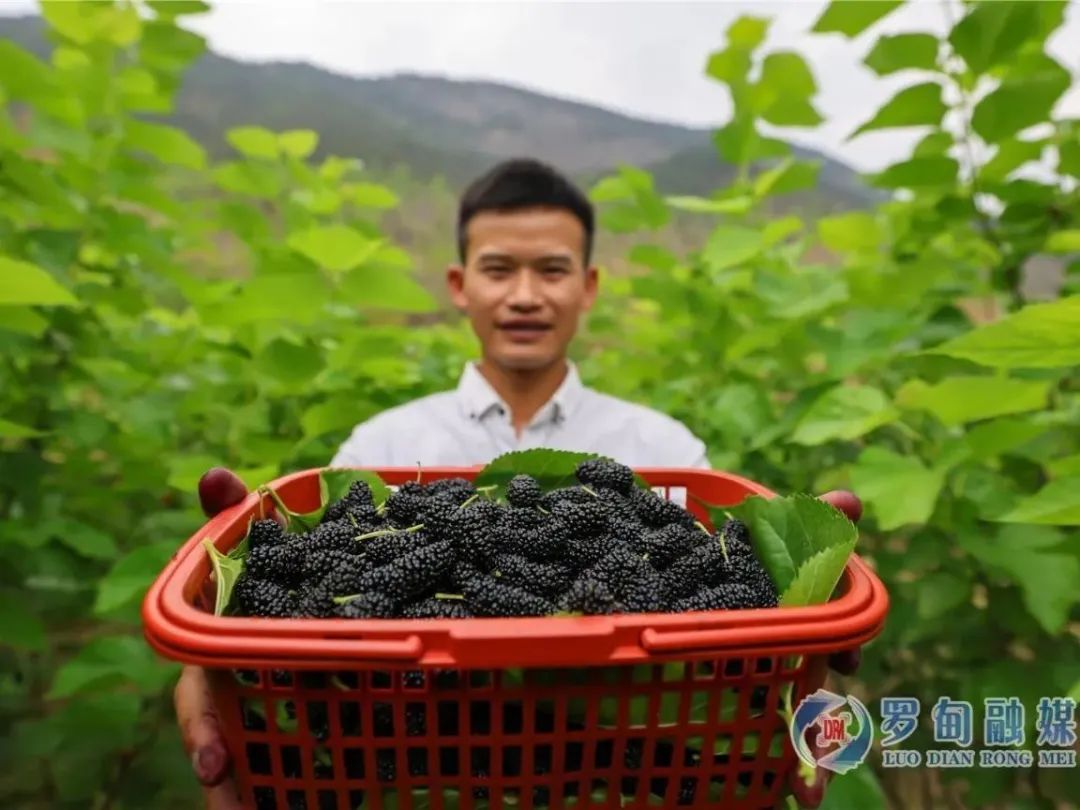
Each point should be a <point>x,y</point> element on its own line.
<point>642,58</point>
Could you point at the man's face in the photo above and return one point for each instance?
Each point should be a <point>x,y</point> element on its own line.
<point>524,285</point>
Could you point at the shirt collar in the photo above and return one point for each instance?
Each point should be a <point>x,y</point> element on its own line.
<point>478,399</point>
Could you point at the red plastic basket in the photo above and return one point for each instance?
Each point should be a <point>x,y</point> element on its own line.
<point>637,710</point>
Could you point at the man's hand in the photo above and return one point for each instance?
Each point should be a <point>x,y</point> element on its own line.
<point>202,740</point>
<point>843,663</point>
<point>219,489</point>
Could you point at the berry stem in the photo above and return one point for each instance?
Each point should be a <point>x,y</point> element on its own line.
<point>384,532</point>
<point>376,533</point>
<point>454,596</point>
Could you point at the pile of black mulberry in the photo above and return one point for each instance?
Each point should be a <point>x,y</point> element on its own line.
<point>443,549</point>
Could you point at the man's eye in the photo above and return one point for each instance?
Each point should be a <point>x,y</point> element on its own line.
<point>497,269</point>
<point>554,270</point>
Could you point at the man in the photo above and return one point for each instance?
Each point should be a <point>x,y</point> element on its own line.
<point>525,278</point>
<point>525,237</point>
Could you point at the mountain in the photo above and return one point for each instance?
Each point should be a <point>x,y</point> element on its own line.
<point>439,126</point>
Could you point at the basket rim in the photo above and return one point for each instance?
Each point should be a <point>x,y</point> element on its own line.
<point>180,631</point>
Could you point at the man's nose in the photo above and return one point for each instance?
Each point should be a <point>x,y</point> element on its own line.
<point>525,292</point>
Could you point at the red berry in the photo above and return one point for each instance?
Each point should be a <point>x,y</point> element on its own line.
<point>219,489</point>
<point>846,502</point>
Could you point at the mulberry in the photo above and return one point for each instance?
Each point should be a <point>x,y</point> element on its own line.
<point>337,535</point>
<point>662,546</point>
<point>572,494</point>
<point>434,608</point>
<point>745,568</point>
<point>489,597</point>
<point>412,574</point>
<point>731,596</point>
<point>736,532</point>
<point>321,562</point>
<point>359,496</point>
<point>583,551</point>
<point>462,573</point>
<point>619,507</point>
<point>545,543</point>
<point>259,597</point>
<point>589,597</point>
<point>383,549</point>
<point>403,507</point>
<point>315,601</point>
<point>653,510</point>
<point>516,519</point>
<point>367,606</point>
<point>703,567</point>
<point>282,563</point>
<point>457,490</point>
<point>523,491</point>
<point>634,583</point>
<point>581,519</point>
<point>344,581</point>
<point>357,504</point>
<point>265,533</point>
<point>435,512</point>
<point>547,580</point>
<point>471,530</point>
<point>625,532</point>
<point>605,474</point>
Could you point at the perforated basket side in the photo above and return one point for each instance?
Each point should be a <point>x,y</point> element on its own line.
<point>703,733</point>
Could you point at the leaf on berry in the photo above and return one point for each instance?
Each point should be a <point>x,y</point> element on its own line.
<point>816,579</point>
<point>334,484</point>
<point>553,469</point>
<point>786,532</point>
<point>226,571</point>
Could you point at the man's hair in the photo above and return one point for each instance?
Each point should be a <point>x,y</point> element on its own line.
<point>523,183</point>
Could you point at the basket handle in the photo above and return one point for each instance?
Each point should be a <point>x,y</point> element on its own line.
<point>409,648</point>
<point>657,641</point>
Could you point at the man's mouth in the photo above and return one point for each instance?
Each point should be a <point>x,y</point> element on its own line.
<point>524,330</point>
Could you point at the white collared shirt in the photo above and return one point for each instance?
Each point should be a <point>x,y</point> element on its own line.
<point>471,425</point>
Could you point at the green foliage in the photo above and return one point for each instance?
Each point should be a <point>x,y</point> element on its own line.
<point>852,17</point>
<point>913,368</point>
<point>161,312</point>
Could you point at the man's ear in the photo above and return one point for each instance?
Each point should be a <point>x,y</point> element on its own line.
<point>592,286</point>
<point>455,285</point>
